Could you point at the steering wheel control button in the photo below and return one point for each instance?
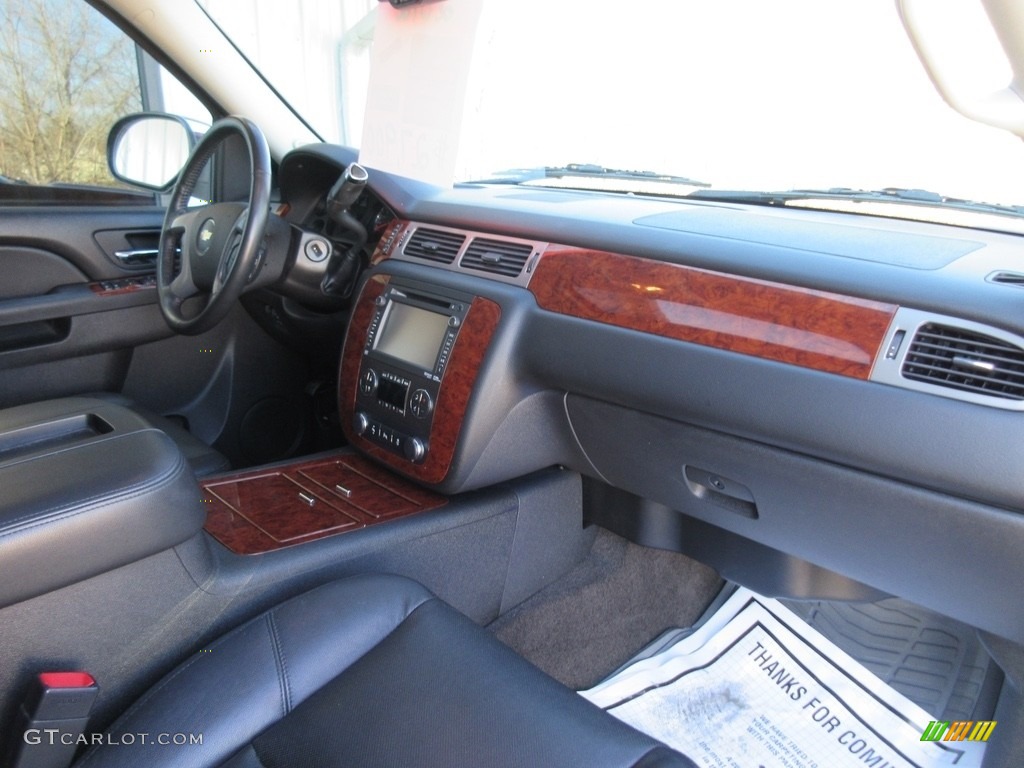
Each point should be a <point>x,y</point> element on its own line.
<point>368,382</point>
<point>421,404</point>
<point>257,266</point>
<point>317,250</point>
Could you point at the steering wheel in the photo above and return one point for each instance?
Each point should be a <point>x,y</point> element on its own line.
<point>220,244</point>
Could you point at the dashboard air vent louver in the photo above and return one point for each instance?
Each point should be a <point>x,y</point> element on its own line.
<point>496,256</point>
<point>434,245</point>
<point>972,362</point>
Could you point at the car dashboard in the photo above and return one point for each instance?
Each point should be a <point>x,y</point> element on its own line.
<point>824,404</point>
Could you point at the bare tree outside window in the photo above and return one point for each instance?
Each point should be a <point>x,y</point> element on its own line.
<point>66,74</point>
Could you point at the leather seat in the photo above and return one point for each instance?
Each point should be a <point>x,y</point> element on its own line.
<point>372,670</point>
<point>117,412</point>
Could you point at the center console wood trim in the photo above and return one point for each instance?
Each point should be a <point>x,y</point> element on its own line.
<point>456,388</point>
<point>274,517</point>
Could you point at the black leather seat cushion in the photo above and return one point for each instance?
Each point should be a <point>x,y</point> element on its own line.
<point>370,671</point>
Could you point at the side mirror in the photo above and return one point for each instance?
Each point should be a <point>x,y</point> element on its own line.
<point>148,149</point>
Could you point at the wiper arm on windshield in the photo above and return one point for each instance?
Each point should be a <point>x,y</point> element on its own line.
<point>583,171</point>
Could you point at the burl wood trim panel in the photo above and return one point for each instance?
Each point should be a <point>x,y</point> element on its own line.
<point>271,503</point>
<point>389,240</point>
<point>134,286</point>
<point>814,329</point>
<point>456,387</point>
<point>259,511</point>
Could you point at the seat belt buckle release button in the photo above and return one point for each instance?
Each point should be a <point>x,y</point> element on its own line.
<point>61,696</point>
<point>52,718</point>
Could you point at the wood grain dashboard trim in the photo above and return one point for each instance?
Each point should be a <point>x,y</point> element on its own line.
<point>472,343</point>
<point>814,329</point>
<point>261,511</point>
<point>124,285</point>
<point>388,241</point>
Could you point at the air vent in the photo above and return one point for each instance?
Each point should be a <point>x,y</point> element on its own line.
<point>434,245</point>
<point>1007,278</point>
<point>498,257</point>
<point>965,360</point>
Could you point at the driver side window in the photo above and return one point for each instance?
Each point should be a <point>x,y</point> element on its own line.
<point>69,74</point>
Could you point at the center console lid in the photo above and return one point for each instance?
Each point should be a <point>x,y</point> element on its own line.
<point>88,486</point>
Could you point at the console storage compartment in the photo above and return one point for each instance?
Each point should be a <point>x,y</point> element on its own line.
<point>262,510</point>
<point>86,491</point>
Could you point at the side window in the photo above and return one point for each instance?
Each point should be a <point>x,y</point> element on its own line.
<point>68,74</point>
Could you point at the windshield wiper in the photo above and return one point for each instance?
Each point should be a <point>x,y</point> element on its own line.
<point>921,197</point>
<point>583,171</point>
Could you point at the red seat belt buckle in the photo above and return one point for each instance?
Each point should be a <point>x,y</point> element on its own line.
<point>52,719</point>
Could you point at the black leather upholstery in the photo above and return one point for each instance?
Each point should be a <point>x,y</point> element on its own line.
<point>122,414</point>
<point>370,671</point>
<point>71,509</point>
<point>203,459</point>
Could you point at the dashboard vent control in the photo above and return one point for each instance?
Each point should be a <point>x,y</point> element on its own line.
<point>434,245</point>
<point>965,360</point>
<point>499,257</point>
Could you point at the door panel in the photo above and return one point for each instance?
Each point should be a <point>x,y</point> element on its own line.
<point>74,320</point>
<point>70,311</point>
<point>31,271</point>
<point>86,237</point>
<point>130,249</point>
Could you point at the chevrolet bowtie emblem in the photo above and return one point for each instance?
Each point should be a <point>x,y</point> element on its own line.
<point>205,236</point>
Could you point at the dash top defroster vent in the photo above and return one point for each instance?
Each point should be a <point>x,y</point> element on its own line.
<point>947,356</point>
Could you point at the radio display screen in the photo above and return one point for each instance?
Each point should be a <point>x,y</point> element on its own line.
<point>412,335</point>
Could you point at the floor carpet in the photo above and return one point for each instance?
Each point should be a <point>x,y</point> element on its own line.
<point>619,598</point>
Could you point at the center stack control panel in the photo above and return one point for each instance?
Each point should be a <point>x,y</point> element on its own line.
<point>406,351</point>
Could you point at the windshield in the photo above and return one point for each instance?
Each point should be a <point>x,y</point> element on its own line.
<point>734,94</point>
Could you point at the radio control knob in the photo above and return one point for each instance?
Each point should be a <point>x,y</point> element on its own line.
<point>454,322</point>
<point>414,449</point>
<point>368,382</point>
<point>421,404</point>
<point>360,423</point>
<point>380,301</point>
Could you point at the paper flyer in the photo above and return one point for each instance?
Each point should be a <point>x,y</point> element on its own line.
<point>756,687</point>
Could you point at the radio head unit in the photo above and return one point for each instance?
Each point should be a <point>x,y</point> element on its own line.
<point>406,351</point>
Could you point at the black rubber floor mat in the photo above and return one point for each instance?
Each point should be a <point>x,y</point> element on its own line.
<point>936,662</point>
